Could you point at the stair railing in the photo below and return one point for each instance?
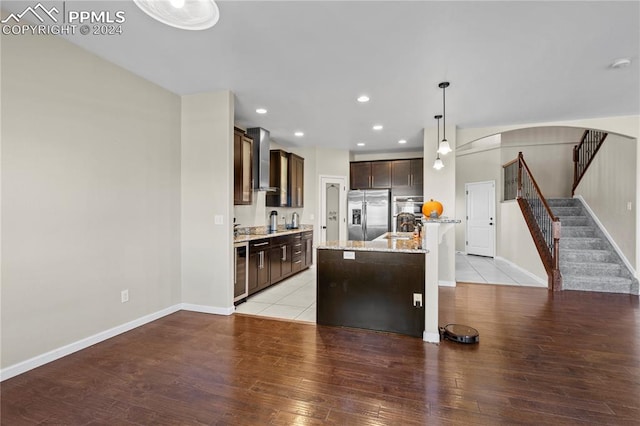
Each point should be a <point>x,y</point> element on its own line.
<point>584,152</point>
<point>543,225</point>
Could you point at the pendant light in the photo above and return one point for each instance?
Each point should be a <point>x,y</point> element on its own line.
<point>444,148</point>
<point>438,164</point>
<point>183,14</point>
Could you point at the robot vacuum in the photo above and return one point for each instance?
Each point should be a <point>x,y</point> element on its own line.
<point>459,333</point>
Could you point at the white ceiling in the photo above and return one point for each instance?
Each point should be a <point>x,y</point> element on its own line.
<point>307,61</point>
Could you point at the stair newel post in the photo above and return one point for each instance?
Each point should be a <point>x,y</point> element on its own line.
<point>556,285</point>
<point>519,192</point>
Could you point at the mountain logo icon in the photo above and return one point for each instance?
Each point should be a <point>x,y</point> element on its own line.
<point>39,11</point>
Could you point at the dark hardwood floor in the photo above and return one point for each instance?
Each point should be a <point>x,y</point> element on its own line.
<point>543,358</point>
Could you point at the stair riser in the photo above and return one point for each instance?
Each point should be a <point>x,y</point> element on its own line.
<point>574,221</point>
<point>585,256</point>
<point>579,244</point>
<point>562,202</point>
<point>594,269</point>
<point>577,231</point>
<point>566,211</point>
<point>627,288</point>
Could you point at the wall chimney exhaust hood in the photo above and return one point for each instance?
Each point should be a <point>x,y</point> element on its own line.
<point>261,145</point>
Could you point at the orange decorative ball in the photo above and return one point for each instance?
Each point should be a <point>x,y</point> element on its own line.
<point>431,207</point>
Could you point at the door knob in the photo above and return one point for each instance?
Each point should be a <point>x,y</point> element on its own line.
<point>324,227</point>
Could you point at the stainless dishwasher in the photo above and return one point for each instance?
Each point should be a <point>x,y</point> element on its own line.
<point>240,272</point>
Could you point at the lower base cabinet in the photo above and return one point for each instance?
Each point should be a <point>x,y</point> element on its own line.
<point>273,259</point>
<point>259,274</point>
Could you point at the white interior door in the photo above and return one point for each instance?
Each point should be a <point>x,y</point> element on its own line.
<point>333,193</point>
<point>481,214</point>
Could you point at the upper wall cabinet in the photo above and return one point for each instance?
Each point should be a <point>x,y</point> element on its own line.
<point>406,173</point>
<point>242,170</point>
<point>370,174</point>
<point>287,176</point>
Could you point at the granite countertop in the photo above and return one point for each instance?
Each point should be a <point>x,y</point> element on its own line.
<point>395,242</point>
<point>441,219</point>
<point>258,233</point>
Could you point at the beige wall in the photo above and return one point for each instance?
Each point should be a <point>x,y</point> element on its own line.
<point>548,152</point>
<point>90,196</point>
<point>355,156</point>
<point>479,166</point>
<point>207,192</point>
<point>608,186</point>
<point>515,242</point>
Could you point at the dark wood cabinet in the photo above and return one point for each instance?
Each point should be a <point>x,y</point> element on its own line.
<point>360,175</point>
<point>280,259</point>
<point>240,272</point>
<point>296,253</point>
<point>297,181</point>
<point>307,249</point>
<point>259,275</point>
<point>242,167</point>
<point>273,259</point>
<point>286,174</point>
<point>370,174</point>
<point>380,174</point>
<point>278,178</point>
<point>407,173</point>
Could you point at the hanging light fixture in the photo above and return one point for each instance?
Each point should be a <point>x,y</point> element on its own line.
<point>184,14</point>
<point>438,164</point>
<point>444,148</point>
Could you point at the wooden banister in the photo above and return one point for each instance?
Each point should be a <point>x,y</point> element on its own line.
<point>543,225</point>
<point>584,153</point>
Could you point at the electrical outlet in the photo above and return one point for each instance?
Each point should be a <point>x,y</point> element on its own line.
<point>417,300</point>
<point>124,296</point>
<point>629,206</point>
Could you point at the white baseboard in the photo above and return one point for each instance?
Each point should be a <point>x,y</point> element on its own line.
<point>208,309</point>
<point>606,234</point>
<point>37,361</point>
<point>431,337</point>
<point>534,277</point>
<point>443,283</point>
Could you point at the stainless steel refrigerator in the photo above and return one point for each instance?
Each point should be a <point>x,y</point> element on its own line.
<point>368,214</point>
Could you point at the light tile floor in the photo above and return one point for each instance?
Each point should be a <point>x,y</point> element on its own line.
<point>295,297</point>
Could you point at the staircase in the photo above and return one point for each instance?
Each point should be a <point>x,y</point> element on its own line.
<point>587,260</point>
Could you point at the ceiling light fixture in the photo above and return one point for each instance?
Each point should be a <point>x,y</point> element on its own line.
<point>183,14</point>
<point>377,127</point>
<point>261,111</point>
<point>299,134</point>
<point>438,164</point>
<point>363,99</point>
<point>444,148</point>
<point>360,144</point>
<point>402,141</point>
<point>621,63</point>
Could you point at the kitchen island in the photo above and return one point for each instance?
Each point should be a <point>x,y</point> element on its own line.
<point>376,285</point>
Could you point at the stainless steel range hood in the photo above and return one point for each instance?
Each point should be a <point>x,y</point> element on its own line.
<point>261,145</point>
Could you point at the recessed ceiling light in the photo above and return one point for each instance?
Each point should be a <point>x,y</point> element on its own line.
<point>299,134</point>
<point>186,15</point>
<point>363,98</point>
<point>377,127</point>
<point>621,63</point>
<point>261,111</point>
<point>360,144</point>
<point>402,141</point>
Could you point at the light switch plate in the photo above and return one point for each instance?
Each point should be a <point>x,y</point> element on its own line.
<point>217,219</point>
<point>349,255</point>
